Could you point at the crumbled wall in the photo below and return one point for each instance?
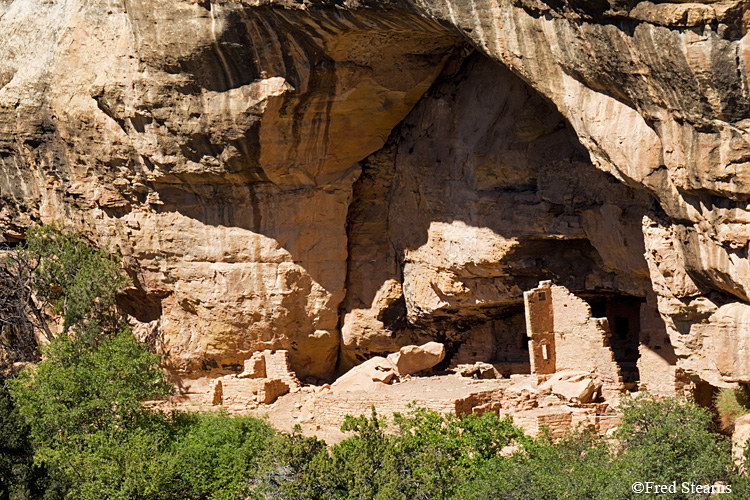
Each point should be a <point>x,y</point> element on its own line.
<point>562,323</point>
<point>267,375</point>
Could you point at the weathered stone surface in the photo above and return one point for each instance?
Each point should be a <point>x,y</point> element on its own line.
<point>740,436</point>
<point>660,99</point>
<point>572,386</point>
<point>271,389</point>
<point>657,361</point>
<point>370,375</point>
<point>270,364</point>
<point>414,359</point>
<point>216,392</point>
<point>217,145</point>
<point>498,199</point>
<point>478,370</point>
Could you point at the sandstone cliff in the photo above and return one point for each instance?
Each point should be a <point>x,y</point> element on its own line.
<point>340,179</point>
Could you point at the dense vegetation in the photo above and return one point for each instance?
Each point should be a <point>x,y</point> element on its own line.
<point>74,426</point>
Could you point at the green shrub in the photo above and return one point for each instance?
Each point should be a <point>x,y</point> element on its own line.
<point>435,453</point>
<point>115,466</point>
<point>20,478</point>
<point>82,404</point>
<point>77,279</point>
<point>95,375</point>
<point>658,440</point>
<point>670,439</point>
<point>217,456</point>
<point>296,467</point>
<point>425,455</point>
<point>79,389</point>
<point>363,463</point>
<point>577,467</point>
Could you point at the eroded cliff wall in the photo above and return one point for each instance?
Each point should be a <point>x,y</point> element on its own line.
<point>658,95</point>
<point>219,145</point>
<point>215,144</point>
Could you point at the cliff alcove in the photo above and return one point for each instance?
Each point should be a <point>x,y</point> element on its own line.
<point>339,179</point>
<point>480,193</point>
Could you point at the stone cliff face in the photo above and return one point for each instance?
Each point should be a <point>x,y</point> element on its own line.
<point>216,145</point>
<point>340,179</point>
<point>480,193</point>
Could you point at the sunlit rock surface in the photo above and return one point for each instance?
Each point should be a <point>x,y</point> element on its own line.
<point>341,179</point>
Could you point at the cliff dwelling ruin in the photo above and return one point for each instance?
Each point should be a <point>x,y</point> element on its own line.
<point>573,372</point>
<point>567,333</point>
<point>338,183</point>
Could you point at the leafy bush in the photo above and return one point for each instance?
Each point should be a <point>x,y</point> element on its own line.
<point>114,466</point>
<point>438,452</point>
<point>670,439</point>
<point>195,456</point>
<point>83,401</point>
<point>217,456</point>
<point>578,466</point>
<point>20,478</point>
<point>80,281</point>
<point>658,440</point>
<point>80,390</point>
<point>425,455</point>
<point>296,467</point>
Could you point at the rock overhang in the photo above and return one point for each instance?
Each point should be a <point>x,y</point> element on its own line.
<point>139,139</point>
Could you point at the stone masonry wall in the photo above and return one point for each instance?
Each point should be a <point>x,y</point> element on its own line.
<point>562,323</point>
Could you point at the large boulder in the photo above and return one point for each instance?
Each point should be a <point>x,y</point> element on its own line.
<point>372,374</point>
<point>412,359</point>
<point>573,386</point>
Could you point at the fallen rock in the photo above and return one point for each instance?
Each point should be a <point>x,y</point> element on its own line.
<point>479,370</point>
<point>371,374</point>
<point>571,386</point>
<point>412,359</point>
<point>523,383</point>
<point>550,400</point>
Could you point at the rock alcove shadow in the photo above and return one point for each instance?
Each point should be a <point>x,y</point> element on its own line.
<point>479,194</point>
